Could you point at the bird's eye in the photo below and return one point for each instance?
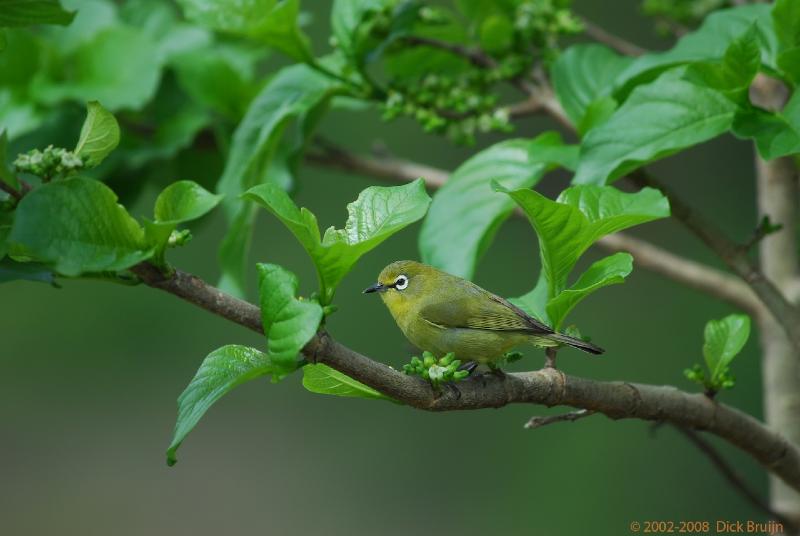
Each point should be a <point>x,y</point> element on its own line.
<point>401,283</point>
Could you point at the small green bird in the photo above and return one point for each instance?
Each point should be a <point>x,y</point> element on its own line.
<point>442,313</point>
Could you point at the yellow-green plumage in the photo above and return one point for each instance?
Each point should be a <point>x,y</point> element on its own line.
<point>442,313</point>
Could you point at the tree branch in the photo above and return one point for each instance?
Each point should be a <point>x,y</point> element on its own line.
<point>538,421</point>
<point>734,255</point>
<point>617,43</point>
<point>646,255</point>
<point>734,479</point>
<point>549,387</point>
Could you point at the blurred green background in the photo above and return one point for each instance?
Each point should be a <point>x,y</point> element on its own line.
<point>91,372</point>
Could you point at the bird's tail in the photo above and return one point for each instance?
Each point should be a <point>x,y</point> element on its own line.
<point>576,343</point>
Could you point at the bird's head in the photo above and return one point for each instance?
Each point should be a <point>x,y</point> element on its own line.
<point>402,283</point>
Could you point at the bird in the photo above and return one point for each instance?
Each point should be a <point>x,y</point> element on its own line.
<point>442,313</point>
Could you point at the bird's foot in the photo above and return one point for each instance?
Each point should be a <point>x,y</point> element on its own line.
<point>496,371</point>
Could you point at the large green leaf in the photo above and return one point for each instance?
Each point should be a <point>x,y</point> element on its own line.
<point>786,18</point>
<point>119,67</point>
<point>775,134</point>
<point>378,213</point>
<point>466,213</point>
<point>324,380</point>
<point>295,92</point>
<point>578,218</point>
<point>346,17</point>
<point>732,74</point>
<point>724,339</point>
<point>608,271</point>
<point>709,42</point>
<point>583,74</point>
<point>222,370</point>
<point>289,323</point>
<point>31,12</point>
<point>217,77</point>
<point>99,134</point>
<point>77,226</point>
<point>657,120</point>
<point>272,22</point>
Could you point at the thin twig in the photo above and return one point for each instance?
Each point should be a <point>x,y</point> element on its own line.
<point>734,479</point>
<point>734,255</point>
<point>549,387</point>
<point>646,255</point>
<point>537,421</point>
<point>13,192</point>
<point>617,43</point>
<point>476,57</point>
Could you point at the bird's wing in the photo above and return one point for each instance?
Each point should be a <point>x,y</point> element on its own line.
<point>480,309</point>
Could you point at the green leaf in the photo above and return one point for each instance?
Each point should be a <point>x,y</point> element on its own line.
<point>11,270</point>
<point>709,42</point>
<point>119,67</point>
<point>608,271</point>
<point>179,202</point>
<point>76,226</point>
<point>535,301</point>
<point>657,120</point>
<point>324,380</point>
<point>99,134</point>
<point>724,339</point>
<point>184,201</point>
<point>583,74</point>
<point>222,370</point>
<point>31,12</point>
<point>466,213</point>
<point>378,213</point>
<point>578,218</point>
<point>346,17</point>
<point>272,22</point>
<point>295,92</point>
<point>775,134</point>
<point>220,77</point>
<point>289,323</point>
<point>732,74</point>
<point>786,18</point>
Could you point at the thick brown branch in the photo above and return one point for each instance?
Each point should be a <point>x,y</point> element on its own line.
<point>646,255</point>
<point>734,255</point>
<point>549,387</point>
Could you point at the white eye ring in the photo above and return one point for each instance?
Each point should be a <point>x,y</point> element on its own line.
<point>401,283</point>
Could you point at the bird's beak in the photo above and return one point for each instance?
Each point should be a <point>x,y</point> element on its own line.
<point>377,287</point>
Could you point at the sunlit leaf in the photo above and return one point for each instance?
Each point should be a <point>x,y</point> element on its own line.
<point>289,323</point>
<point>99,134</point>
<point>466,212</point>
<point>77,226</point>
<point>324,380</point>
<point>222,370</point>
<point>378,213</point>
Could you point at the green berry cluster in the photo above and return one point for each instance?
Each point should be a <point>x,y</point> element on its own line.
<point>50,163</point>
<point>458,106</point>
<point>178,238</point>
<point>436,371</point>
<point>713,383</point>
<point>542,22</point>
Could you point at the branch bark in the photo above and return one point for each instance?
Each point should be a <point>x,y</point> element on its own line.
<point>646,255</point>
<point>549,387</point>
<point>734,255</point>
<point>615,42</point>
